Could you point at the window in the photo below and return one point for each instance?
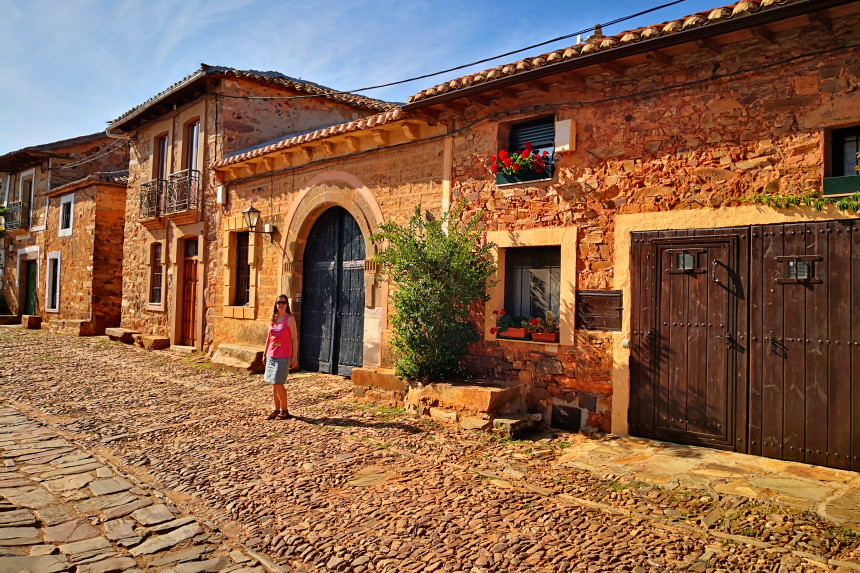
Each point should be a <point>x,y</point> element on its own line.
<point>532,281</point>
<point>67,212</point>
<point>540,133</point>
<point>192,143</point>
<point>243,270</point>
<point>156,273</point>
<point>160,158</point>
<point>846,145</point>
<point>844,179</point>
<point>52,286</point>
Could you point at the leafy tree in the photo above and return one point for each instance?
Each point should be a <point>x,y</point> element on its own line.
<point>437,275</point>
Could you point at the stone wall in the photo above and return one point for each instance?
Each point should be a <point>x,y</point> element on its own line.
<point>108,155</point>
<point>658,138</point>
<point>107,257</point>
<point>398,180</point>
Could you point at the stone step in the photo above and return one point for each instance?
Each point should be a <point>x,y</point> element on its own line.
<point>124,335</point>
<point>153,342</point>
<point>517,426</point>
<point>10,319</point>
<point>31,321</point>
<point>73,327</point>
<point>239,358</point>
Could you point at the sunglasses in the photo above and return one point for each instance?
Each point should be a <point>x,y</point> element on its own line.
<point>282,302</point>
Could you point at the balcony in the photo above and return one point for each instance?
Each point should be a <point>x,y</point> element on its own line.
<point>152,199</point>
<point>17,216</point>
<point>183,195</point>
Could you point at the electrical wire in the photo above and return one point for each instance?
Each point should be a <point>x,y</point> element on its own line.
<point>93,158</point>
<point>476,62</point>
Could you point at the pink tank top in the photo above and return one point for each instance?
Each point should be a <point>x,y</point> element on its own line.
<point>280,340</point>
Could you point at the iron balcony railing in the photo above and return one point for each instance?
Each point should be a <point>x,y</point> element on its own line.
<point>17,216</point>
<point>183,191</point>
<point>151,198</point>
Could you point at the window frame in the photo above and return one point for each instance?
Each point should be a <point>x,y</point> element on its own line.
<point>837,183</point>
<point>160,156</point>
<point>70,201</point>
<point>516,258</point>
<point>52,279</point>
<point>191,153</point>
<point>242,270</point>
<point>156,274</point>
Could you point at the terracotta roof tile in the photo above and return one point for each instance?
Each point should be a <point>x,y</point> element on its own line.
<point>605,43</point>
<point>295,140</point>
<point>268,78</point>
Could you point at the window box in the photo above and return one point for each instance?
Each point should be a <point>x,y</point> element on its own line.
<point>545,175</point>
<point>551,337</point>
<point>842,185</point>
<point>514,333</point>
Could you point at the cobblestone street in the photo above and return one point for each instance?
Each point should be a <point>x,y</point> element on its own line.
<point>185,464</point>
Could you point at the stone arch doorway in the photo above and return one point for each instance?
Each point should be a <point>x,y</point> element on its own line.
<point>332,331</point>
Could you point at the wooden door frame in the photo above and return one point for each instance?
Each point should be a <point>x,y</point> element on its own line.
<point>177,261</point>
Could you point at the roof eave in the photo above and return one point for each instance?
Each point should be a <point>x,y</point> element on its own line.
<point>643,46</point>
<point>160,98</point>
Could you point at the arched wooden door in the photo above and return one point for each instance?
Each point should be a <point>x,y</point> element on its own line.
<point>332,330</point>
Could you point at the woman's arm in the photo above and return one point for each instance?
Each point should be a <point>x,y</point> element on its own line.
<point>294,339</point>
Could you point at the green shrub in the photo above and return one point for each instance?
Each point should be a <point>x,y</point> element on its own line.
<point>436,275</point>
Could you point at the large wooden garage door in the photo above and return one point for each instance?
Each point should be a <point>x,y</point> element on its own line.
<point>805,351</point>
<point>789,296</point>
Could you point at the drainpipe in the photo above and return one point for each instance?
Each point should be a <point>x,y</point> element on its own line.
<point>447,171</point>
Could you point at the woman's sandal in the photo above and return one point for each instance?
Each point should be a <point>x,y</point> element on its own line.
<point>284,415</point>
<point>273,415</point>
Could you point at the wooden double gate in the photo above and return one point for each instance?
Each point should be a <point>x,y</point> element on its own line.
<point>748,339</point>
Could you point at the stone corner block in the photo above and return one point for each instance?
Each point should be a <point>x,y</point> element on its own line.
<point>381,378</point>
<point>31,321</point>
<point>152,342</point>
<point>239,358</point>
<point>124,335</point>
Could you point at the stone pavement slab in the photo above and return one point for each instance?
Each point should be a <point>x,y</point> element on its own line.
<point>42,533</point>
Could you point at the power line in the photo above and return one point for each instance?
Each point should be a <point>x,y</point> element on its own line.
<point>481,61</point>
<point>91,159</point>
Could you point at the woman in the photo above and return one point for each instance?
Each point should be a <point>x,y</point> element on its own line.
<point>281,353</point>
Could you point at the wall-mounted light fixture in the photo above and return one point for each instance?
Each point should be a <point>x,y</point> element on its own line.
<point>252,218</point>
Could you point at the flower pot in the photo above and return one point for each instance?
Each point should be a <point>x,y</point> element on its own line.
<point>514,333</point>
<point>545,336</point>
<point>503,178</point>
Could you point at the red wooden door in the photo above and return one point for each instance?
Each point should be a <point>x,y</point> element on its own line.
<point>189,294</point>
<point>688,369</point>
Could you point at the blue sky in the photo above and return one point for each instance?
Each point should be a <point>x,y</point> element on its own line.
<point>70,67</point>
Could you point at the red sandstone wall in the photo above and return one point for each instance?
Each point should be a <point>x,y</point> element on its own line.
<point>706,145</point>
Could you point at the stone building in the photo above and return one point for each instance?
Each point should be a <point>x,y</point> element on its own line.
<point>62,257</point>
<point>174,207</point>
<point>688,312</point>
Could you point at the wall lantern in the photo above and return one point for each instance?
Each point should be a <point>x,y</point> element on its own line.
<point>252,217</point>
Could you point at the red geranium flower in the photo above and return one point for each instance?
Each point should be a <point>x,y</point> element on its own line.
<point>493,330</point>
<point>502,312</point>
<point>495,312</point>
<point>534,322</point>
<point>545,153</point>
<point>503,154</point>
<point>494,167</point>
<point>507,161</point>
<point>515,167</point>
<point>526,153</point>
<point>528,146</point>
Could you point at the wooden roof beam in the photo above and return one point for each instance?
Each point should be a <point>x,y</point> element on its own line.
<point>709,46</point>
<point>411,131</point>
<point>660,57</point>
<point>763,35</point>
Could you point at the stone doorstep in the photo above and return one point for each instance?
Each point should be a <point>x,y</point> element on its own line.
<point>239,358</point>
<point>124,335</point>
<point>73,327</point>
<point>152,342</point>
<point>380,378</point>
<point>31,322</point>
<point>10,319</point>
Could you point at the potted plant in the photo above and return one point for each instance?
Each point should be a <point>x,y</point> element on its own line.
<point>510,326</point>
<point>522,165</point>
<point>544,329</point>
